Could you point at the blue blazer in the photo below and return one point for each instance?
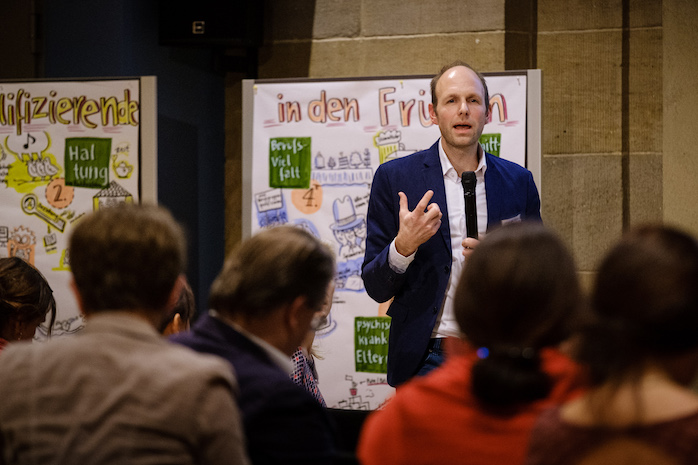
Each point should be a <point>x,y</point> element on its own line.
<point>419,292</point>
<point>283,423</point>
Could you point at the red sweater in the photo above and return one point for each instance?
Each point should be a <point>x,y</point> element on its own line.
<point>436,419</point>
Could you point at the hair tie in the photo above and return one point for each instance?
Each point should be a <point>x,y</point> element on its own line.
<point>527,353</point>
<point>483,352</point>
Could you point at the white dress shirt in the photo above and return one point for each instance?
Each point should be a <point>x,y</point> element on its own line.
<point>446,324</point>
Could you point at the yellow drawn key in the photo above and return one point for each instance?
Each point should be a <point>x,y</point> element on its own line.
<point>31,206</point>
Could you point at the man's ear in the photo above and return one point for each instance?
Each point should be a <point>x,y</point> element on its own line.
<point>175,326</point>
<point>432,114</point>
<point>296,312</point>
<point>78,297</point>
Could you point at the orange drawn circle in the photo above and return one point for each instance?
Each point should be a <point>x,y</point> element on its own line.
<point>58,194</point>
<point>308,201</point>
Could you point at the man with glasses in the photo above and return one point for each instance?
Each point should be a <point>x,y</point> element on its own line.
<point>263,303</point>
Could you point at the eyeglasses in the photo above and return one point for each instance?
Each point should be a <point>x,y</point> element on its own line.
<point>318,322</point>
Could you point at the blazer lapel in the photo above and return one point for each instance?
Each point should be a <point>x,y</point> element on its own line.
<point>434,180</point>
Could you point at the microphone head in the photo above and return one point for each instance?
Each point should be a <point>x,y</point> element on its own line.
<point>468,180</point>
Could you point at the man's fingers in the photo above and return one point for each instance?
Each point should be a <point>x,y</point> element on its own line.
<point>433,211</point>
<point>403,201</point>
<point>437,225</point>
<point>422,205</point>
<point>469,243</point>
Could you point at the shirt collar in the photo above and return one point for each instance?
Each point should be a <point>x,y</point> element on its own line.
<point>446,165</point>
<point>279,358</point>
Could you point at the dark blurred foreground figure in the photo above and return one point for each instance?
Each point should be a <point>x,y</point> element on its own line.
<point>25,300</point>
<point>641,349</point>
<point>117,392</point>
<point>263,303</point>
<point>517,298</point>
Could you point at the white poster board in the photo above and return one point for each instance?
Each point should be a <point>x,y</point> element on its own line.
<point>68,148</point>
<point>310,149</point>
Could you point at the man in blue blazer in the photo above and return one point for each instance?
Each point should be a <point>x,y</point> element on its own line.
<point>265,300</point>
<point>416,243</point>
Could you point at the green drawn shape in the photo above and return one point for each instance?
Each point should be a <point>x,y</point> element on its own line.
<point>87,162</point>
<point>491,143</point>
<point>289,162</point>
<point>371,344</point>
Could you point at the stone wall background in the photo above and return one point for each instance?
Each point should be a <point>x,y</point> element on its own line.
<point>616,83</point>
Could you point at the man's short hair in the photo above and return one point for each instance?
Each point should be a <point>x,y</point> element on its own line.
<point>272,269</point>
<point>436,78</point>
<point>127,257</point>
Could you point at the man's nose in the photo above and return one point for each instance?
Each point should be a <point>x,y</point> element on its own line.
<point>463,108</point>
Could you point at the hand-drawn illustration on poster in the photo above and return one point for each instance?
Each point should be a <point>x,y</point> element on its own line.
<point>66,148</point>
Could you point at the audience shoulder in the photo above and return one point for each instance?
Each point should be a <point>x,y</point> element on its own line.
<point>12,359</point>
<point>20,360</point>
<point>201,367</point>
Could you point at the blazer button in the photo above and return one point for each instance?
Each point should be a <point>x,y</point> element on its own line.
<point>446,269</point>
<point>434,310</point>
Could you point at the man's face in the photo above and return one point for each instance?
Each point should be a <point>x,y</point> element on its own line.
<point>461,111</point>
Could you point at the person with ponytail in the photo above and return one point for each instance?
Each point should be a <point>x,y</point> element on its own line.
<point>640,349</point>
<point>516,302</point>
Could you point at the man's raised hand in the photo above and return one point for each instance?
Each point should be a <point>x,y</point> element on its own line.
<point>416,226</point>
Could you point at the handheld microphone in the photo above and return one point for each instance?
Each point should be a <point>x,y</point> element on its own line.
<point>469,180</point>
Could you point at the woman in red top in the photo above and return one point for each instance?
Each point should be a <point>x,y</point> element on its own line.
<point>515,303</point>
<point>25,300</point>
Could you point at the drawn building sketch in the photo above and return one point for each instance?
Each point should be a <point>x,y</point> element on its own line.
<point>111,196</point>
<point>346,170</point>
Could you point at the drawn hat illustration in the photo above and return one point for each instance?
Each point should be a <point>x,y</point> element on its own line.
<point>345,216</point>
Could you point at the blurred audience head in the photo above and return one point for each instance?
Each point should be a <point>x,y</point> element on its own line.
<point>25,300</point>
<point>127,257</point>
<point>280,275</point>
<point>518,294</point>
<point>644,305</point>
